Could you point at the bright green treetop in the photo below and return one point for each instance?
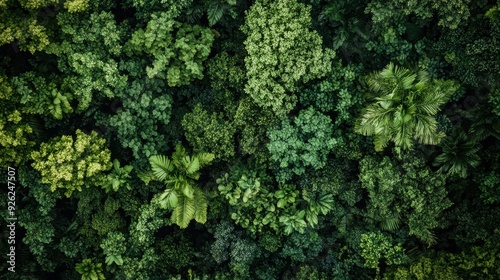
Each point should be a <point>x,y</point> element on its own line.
<point>282,53</point>
<point>69,163</point>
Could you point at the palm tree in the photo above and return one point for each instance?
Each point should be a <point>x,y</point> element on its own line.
<point>182,194</point>
<point>406,102</point>
<point>459,153</point>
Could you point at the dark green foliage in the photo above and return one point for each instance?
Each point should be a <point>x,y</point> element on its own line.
<point>304,143</point>
<point>209,133</point>
<point>278,104</point>
<point>459,154</point>
<point>408,192</point>
<point>87,52</point>
<point>145,113</point>
<point>302,247</point>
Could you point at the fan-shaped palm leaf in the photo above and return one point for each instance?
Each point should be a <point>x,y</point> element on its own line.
<point>459,154</point>
<point>161,166</point>
<point>405,107</point>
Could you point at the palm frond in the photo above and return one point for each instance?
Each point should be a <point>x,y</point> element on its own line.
<point>184,212</point>
<point>459,154</point>
<point>200,204</point>
<point>178,155</point>
<point>205,158</point>
<point>391,222</point>
<point>425,130</point>
<point>161,166</point>
<point>168,199</point>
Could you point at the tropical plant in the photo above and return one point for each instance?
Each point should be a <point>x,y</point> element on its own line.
<point>90,270</point>
<point>459,154</point>
<point>180,174</point>
<point>118,177</point>
<point>406,103</point>
<point>114,247</point>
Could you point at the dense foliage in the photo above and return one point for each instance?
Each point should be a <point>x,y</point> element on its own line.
<point>267,139</point>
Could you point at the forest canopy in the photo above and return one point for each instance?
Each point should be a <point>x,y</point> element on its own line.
<point>267,139</point>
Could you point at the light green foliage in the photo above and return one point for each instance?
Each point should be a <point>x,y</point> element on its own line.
<point>90,270</point>
<point>142,230</point>
<point>182,194</point>
<point>14,128</point>
<point>459,154</point>
<point>68,163</point>
<point>119,177</point>
<point>74,6</point>
<point>141,121</point>
<point>87,56</point>
<point>283,53</point>
<point>209,133</point>
<point>405,108</point>
<point>415,195</point>
<point>377,246</point>
<point>304,142</point>
<point>307,272</point>
<point>178,49</point>
<point>41,96</point>
<point>114,247</point>
<point>302,247</point>
<point>20,27</point>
